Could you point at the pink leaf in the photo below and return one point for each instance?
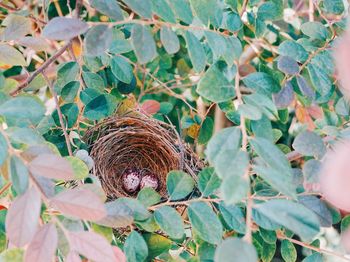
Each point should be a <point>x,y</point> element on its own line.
<point>92,246</point>
<point>335,176</point>
<point>119,254</point>
<point>81,203</point>
<point>73,257</point>
<point>51,166</point>
<point>22,217</point>
<point>64,28</point>
<point>150,107</point>
<point>342,59</point>
<point>43,246</point>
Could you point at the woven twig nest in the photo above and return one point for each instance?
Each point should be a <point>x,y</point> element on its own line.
<point>120,143</point>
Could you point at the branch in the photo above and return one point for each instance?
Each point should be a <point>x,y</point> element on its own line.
<point>48,62</point>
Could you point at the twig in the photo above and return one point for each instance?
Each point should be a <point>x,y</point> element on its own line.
<point>311,11</point>
<point>60,116</point>
<point>244,7</point>
<point>48,62</point>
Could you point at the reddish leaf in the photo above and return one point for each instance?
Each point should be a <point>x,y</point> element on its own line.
<point>119,254</point>
<point>150,107</point>
<point>51,166</point>
<point>43,246</point>
<point>73,257</point>
<point>92,246</point>
<point>22,218</point>
<point>81,203</point>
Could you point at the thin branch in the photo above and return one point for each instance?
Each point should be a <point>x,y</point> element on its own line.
<point>48,62</point>
<point>311,11</point>
<point>60,116</point>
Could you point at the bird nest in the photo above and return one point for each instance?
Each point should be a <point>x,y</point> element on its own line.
<point>121,143</point>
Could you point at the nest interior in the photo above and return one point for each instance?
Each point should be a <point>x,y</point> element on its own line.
<point>137,141</point>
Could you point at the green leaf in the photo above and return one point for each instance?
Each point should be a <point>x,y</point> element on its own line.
<point>80,169</point>
<point>205,222</point>
<point>93,80</point>
<point>233,50</point>
<point>284,97</point>
<point>233,217</point>
<point>143,43</point>
<point>288,65</point>
<point>334,6</point>
<point>196,52</point>
<point>319,80</point>
<point>27,136</point>
<point>97,40</point>
<point>3,149</point>
<point>19,175</point>
<point>179,184</point>
<point>291,215</point>
<point>143,8</point>
<point>169,40</point>
<point>170,221</point>
<point>70,91</point>
<point>264,103</point>
<point>135,247</point>
<point>66,72</point>
<point>293,49</point>
<point>70,112</point>
<point>100,107</point>
<point>109,8</point>
<point>11,56</point>
<point>315,257</point>
<point>235,250</point>
<point>305,88</point>
<point>157,244</point>
<point>121,69</point>
<point>182,10</point>
<point>319,207</point>
<point>208,181</point>
<point>288,251</point>
<point>64,28</point>
<point>249,111</point>
<point>16,27</point>
<point>148,196</point>
<point>208,11</point>
<point>12,255</point>
<point>23,111</point>
<point>136,208</point>
<point>262,128</point>
<point>214,85</point>
<point>206,131</point>
<point>234,189</point>
<point>163,10</point>
<point>232,21</point>
<point>270,11</point>
<point>345,224</point>
<point>309,144</point>
<point>262,83</point>
<point>315,30</point>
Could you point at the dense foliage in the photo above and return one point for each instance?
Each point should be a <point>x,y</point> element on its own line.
<point>250,84</point>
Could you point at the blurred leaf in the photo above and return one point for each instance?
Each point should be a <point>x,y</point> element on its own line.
<point>235,250</point>
<point>233,217</point>
<point>37,43</point>
<point>334,6</point>
<point>182,10</point>
<point>293,49</point>
<point>157,244</point>
<point>148,196</point>
<point>100,107</point>
<point>315,257</point>
<point>208,181</point>
<point>208,11</point>
<point>135,248</point>
<point>92,246</point>
<point>179,184</point>
<point>119,214</point>
<point>305,88</point>
<point>315,30</point>
<point>205,223</point>
<point>196,52</point>
<point>270,11</point>
<point>51,166</point>
<point>138,210</point>
<point>11,56</point>
<point>264,103</point>
<point>3,149</point>
<point>261,83</point>
<point>232,21</point>
<point>309,144</point>
<point>262,128</point>
<point>12,255</point>
<point>23,218</point>
<point>16,27</point>
<point>284,97</point>
<point>214,86</point>
<point>291,215</point>
<point>234,188</point>
<point>80,169</point>
<point>97,40</point>
<point>121,69</point>
<point>93,80</point>
<point>249,111</point>
<point>170,221</point>
<point>19,175</point>
<point>79,202</point>
<point>288,251</point>
<point>150,107</point>
<point>64,28</point>
<point>143,43</point>
<point>287,65</point>
<point>142,8</point>
<point>109,8</point>
<point>319,207</point>
<point>43,246</point>
<point>169,40</point>
<point>163,10</point>
<point>206,131</point>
